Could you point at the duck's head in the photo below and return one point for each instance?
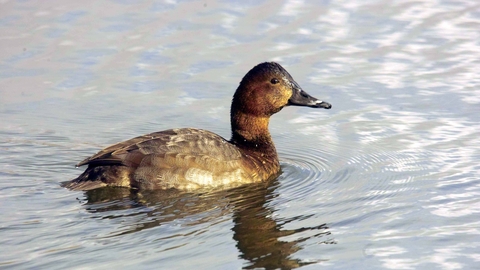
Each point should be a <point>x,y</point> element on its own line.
<point>267,88</point>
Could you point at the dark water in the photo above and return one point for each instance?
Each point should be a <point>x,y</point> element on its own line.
<point>389,178</point>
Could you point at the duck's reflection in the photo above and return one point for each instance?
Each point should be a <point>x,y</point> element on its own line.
<point>257,234</point>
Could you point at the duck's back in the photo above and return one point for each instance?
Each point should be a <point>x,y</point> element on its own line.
<point>177,158</point>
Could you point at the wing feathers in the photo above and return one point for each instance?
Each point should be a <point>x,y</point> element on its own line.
<point>186,141</point>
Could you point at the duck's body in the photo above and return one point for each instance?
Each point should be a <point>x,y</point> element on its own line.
<point>185,159</point>
<point>189,159</point>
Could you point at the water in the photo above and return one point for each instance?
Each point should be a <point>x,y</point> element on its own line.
<point>387,179</point>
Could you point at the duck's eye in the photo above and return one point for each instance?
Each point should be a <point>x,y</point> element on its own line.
<point>274,81</point>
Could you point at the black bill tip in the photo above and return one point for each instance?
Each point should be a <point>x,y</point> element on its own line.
<point>323,104</point>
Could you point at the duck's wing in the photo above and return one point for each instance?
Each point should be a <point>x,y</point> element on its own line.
<point>173,142</point>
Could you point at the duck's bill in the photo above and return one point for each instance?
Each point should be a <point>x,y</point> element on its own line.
<point>302,98</point>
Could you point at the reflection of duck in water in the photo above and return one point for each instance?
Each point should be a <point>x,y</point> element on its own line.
<point>258,236</point>
<point>188,159</point>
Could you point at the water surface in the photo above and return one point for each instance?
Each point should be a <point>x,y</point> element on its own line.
<point>387,179</point>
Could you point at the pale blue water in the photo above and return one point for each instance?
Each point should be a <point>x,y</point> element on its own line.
<point>387,179</point>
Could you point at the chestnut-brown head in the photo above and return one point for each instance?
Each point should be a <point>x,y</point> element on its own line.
<point>267,88</point>
<point>263,91</point>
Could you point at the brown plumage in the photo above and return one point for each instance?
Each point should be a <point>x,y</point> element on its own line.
<point>189,159</point>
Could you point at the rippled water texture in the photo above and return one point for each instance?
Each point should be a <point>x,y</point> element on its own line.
<point>388,178</point>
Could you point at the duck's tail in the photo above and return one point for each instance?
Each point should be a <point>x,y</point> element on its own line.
<point>100,176</point>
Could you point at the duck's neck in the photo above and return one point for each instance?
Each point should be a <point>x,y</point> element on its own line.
<point>251,130</point>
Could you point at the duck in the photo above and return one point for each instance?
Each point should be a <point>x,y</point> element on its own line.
<point>189,159</point>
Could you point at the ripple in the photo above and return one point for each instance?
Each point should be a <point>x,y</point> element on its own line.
<point>345,177</point>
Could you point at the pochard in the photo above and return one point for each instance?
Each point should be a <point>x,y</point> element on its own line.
<point>190,159</point>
